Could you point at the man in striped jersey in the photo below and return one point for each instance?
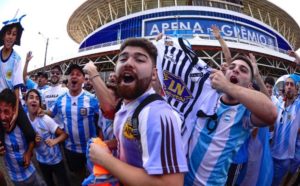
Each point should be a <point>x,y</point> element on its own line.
<point>155,156</point>
<point>18,152</point>
<point>77,108</point>
<point>286,131</point>
<point>216,138</point>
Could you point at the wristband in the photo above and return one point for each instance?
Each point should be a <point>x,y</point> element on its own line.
<point>91,78</point>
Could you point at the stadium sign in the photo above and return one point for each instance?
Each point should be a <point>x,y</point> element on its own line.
<point>202,26</point>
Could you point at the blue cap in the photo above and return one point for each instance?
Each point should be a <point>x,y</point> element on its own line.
<point>295,78</point>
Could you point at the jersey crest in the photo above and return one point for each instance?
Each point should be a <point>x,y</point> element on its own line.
<point>176,88</point>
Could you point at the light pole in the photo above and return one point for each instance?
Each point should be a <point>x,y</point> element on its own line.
<point>46,49</point>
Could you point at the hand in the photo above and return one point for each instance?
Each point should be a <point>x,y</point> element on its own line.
<point>216,32</point>
<point>90,68</point>
<point>37,139</point>
<point>2,149</point>
<point>40,112</point>
<point>159,36</point>
<point>218,80</point>
<point>13,121</point>
<point>97,152</point>
<point>29,56</point>
<point>27,158</point>
<point>50,142</point>
<point>254,65</point>
<point>291,53</point>
<point>295,55</point>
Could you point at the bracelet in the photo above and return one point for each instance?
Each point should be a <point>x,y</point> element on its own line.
<point>91,78</point>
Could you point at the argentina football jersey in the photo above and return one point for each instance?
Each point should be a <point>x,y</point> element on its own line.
<point>15,147</point>
<point>214,142</point>
<point>10,72</point>
<point>78,116</point>
<point>45,127</point>
<point>286,130</point>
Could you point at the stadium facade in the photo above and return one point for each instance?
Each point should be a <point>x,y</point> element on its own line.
<point>257,26</point>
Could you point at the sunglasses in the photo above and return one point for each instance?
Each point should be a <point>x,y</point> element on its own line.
<point>55,73</point>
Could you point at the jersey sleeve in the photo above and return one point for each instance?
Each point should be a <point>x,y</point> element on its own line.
<point>51,124</point>
<point>162,148</point>
<point>17,78</point>
<point>95,104</point>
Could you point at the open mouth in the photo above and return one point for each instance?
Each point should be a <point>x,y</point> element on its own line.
<point>5,125</point>
<point>73,82</point>
<point>233,80</point>
<point>128,78</point>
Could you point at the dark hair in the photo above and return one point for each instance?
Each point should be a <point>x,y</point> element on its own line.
<point>37,93</point>
<point>247,60</point>
<point>8,96</point>
<point>57,67</point>
<point>142,43</point>
<point>270,80</point>
<point>9,27</point>
<point>43,74</point>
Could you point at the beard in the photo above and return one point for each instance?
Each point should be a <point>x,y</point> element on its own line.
<point>54,81</point>
<point>133,92</point>
<point>289,95</point>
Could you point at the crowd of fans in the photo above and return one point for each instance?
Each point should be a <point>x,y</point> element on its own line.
<point>167,118</point>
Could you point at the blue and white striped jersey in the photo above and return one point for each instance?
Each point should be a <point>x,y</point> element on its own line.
<point>78,115</point>
<point>159,149</point>
<point>15,147</point>
<point>106,126</point>
<point>46,127</point>
<point>286,130</point>
<point>214,143</point>
<point>184,78</point>
<point>258,170</point>
<point>11,72</point>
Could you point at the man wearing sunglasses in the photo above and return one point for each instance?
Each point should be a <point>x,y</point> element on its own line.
<point>286,140</point>
<point>55,90</point>
<point>217,138</point>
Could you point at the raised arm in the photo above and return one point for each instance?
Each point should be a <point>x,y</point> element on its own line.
<point>257,76</point>
<point>223,44</point>
<point>28,58</point>
<point>296,56</point>
<point>261,107</point>
<point>107,100</point>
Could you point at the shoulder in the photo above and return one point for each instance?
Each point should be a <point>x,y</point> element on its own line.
<point>158,109</point>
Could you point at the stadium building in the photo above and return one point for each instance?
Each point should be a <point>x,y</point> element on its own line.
<point>258,26</point>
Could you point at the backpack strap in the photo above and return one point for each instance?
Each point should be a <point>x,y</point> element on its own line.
<point>135,116</point>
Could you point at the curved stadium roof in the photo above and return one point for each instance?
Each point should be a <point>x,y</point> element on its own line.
<point>94,13</point>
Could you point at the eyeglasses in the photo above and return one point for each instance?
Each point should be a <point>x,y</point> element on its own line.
<point>212,122</point>
<point>55,73</point>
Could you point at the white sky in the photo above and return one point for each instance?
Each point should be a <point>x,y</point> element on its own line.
<point>50,17</point>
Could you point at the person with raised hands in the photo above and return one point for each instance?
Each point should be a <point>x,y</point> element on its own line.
<point>216,138</point>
